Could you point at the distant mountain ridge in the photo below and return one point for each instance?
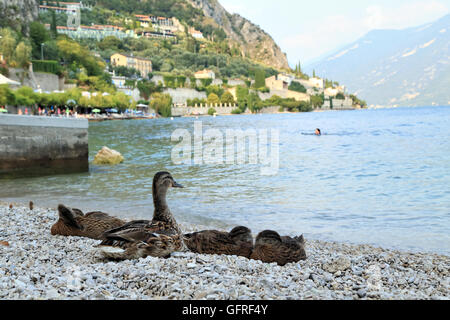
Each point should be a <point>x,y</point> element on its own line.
<point>409,67</point>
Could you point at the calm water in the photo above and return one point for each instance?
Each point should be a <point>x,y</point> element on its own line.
<point>377,176</point>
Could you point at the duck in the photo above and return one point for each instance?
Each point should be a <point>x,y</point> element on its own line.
<point>141,238</point>
<point>31,205</point>
<point>271,247</point>
<point>73,222</point>
<point>238,242</point>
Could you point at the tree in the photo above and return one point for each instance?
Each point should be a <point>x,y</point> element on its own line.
<point>38,35</point>
<point>22,57</point>
<point>317,101</point>
<point>260,78</point>
<point>7,96</point>
<point>147,88</point>
<point>213,99</point>
<point>7,44</point>
<point>162,104</point>
<point>297,86</point>
<point>227,98</point>
<point>53,28</point>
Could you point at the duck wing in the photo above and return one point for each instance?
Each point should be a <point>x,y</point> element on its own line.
<point>129,226</point>
<point>210,242</point>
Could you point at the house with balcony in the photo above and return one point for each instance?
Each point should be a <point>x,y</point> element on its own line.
<point>143,65</point>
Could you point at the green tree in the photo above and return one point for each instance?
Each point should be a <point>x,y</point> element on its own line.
<point>260,78</point>
<point>38,36</point>
<point>7,44</point>
<point>227,98</point>
<point>22,57</point>
<point>7,96</point>
<point>53,29</point>
<point>162,104</point>
<point>213,99</point>
<point>147,88</point>
<point>297,86</point>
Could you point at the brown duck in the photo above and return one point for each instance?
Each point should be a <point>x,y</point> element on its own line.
<point>73,222</point>
<point>158,237</point>
<point>270,247</point>
<point>238,242</point>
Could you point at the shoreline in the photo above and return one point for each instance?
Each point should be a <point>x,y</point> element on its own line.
<point>36,265</point>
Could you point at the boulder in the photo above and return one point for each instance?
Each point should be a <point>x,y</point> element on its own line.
<point>108,156</point>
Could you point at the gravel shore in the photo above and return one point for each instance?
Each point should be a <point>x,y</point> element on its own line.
<point>36,265</point>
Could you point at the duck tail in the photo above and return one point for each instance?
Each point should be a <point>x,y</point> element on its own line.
<point>110,251</point>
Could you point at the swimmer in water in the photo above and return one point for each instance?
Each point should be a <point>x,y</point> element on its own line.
<point>318,133</point>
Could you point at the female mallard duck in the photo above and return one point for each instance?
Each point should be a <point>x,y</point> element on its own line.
<point>158,238</point>
<point>238,242</point>
<point>73,222</point>
<point>270,247</point>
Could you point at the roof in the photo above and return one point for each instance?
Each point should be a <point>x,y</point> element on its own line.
<point>131,56</point>
<point>204,71</point>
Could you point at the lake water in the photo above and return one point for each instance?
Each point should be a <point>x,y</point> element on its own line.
<point>379,177</point>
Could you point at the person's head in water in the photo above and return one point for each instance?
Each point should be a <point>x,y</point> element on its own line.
<point>318,133</point>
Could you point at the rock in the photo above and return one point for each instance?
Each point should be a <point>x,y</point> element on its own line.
<point>340,264</point>
<point>362,293</point>
<point>4,243</point>
<point>108,156</point>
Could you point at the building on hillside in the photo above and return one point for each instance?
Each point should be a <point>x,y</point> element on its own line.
<point>97,32</point>
<point>118,81</point>
<point>195,33</point>
<point>157,34</point>
<point>205,74</point>
<point>143,65</point>
<point>286,78</point>
<point>274,83</point>
<point>69,10</point>
<point>77,5</point>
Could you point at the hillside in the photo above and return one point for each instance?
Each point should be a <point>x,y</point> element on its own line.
<point>409,67</point>
<point>256,44</point>
<point>18,13</point>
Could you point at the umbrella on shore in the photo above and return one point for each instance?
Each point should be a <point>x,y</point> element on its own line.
<point>2,110</point>
<point>96,110</point>
<point>112,110</point>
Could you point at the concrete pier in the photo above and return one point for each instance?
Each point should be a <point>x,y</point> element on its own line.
<point>34,143</point>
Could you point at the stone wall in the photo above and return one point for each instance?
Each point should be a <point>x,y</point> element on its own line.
<point>34,143</point>
<point>181,95</point>
<point>47,81</point>
<point>200,111</point>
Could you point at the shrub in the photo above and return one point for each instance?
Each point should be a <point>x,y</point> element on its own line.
<point>211,111</point>
<point>296,86</point>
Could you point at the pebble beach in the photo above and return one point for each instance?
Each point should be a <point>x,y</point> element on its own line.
<point>36,265</point>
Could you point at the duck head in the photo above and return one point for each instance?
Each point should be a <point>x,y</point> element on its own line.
<point>162,181</point>
<point>241,234</point>
<point>67,223</point>
<point>268,237</point>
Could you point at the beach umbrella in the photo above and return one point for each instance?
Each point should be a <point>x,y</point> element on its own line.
<point>96,110</point>
<point>112,110</point>
<point>71,102</point>
<point>2,110</point>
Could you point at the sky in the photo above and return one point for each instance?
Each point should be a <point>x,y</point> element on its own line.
<point>306,30</point>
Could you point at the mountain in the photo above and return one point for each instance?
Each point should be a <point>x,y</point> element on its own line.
<point>409,67</point>
<point>18,13</point>
<point>255,43</point>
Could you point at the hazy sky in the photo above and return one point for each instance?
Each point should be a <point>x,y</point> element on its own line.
<point>306,30</point>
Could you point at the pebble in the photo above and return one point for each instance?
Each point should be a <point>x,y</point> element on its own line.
<point>36,265</point>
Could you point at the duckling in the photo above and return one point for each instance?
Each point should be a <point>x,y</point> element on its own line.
<point>31,204</point>
<point>158,238</point>
<point>238,241</point>
<point>73,222</point>
<point>270,247</point>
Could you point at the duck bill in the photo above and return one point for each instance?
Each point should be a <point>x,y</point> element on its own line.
<point>177,185</point>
